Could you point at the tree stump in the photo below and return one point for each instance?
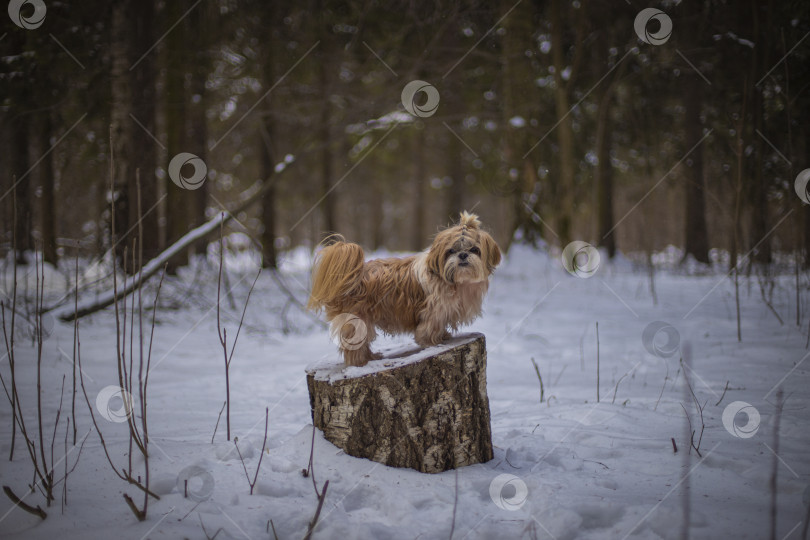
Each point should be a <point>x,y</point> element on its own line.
<point>426,409</point>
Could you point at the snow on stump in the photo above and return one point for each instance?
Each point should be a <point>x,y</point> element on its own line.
<point>426,409</point>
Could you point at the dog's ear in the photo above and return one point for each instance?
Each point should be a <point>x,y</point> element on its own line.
<point>492,252</point>
<point>435,256</point>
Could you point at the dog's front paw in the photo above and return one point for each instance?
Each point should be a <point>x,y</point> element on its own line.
<point>360,357</point>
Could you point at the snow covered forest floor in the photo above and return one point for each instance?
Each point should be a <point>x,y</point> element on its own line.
<point>579,468</point>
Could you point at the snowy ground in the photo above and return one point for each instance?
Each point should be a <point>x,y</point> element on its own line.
<point>581,469</point>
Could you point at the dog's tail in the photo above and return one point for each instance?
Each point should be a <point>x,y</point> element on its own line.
<point>337,270</point>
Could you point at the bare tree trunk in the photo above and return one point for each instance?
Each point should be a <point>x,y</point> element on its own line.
<point>376,216</point>
<point>121,124</point>
<point>418,239</point>
<point>758,191</point>
<point>455,155</point>
<point>328,204</point>
<point>696,241</point>
<point>454,193</point>
<point>47,185</point>
<point>133,99</point>
<point>268,211</point>
<point>805,210</point>
<point>144,149</point>
<point>511,51</point>
<point>198,29</point>
<point>603,175</point>
<point>604,180</point>
<point>696,232</point>
<point>268,134</point>
<point>178,200</point>
<point>22,191</point>
<point>565,137</point>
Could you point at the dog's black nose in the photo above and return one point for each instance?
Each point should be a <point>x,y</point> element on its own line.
<point>463,255</point>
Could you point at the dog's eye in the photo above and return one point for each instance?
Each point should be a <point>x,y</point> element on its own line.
<point>450,251</point>
<point>475,250</point>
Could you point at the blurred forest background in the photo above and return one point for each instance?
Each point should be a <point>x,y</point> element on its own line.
<point>555,122</point>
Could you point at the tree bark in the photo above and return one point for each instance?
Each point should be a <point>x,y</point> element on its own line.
<point>428,410</point>
<point>198,29</point>
<point>121,124</point>
<point>696,243</point>
<point>604,179</point>
<point>144,149</point>
<point>22,192</point>
<point>46,182</point>
<point>178,200</point>
<point>517,23</point>
<point>133,147</point>
<point>603,175</point>
<point>759,189</point>
<point>418,238</point>
<point>267,141</point>
<point>805,210</point>
<point>454,193</point>
<point>565,137</point>
<point>328,204</point>
<point>268,211</point>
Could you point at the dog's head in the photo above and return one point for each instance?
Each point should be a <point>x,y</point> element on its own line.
<point>463,253</point>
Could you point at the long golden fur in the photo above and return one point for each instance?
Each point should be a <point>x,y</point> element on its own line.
<point>423,294</point>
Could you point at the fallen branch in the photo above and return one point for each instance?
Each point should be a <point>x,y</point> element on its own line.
<point>149,269</point>
<point>37,511</point>
<point>250,197</point>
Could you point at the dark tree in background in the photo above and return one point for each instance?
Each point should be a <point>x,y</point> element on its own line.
<point>696,243</point>
<point>556,122</point>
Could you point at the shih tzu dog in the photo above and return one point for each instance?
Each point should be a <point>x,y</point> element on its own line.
<point>423,294</point>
